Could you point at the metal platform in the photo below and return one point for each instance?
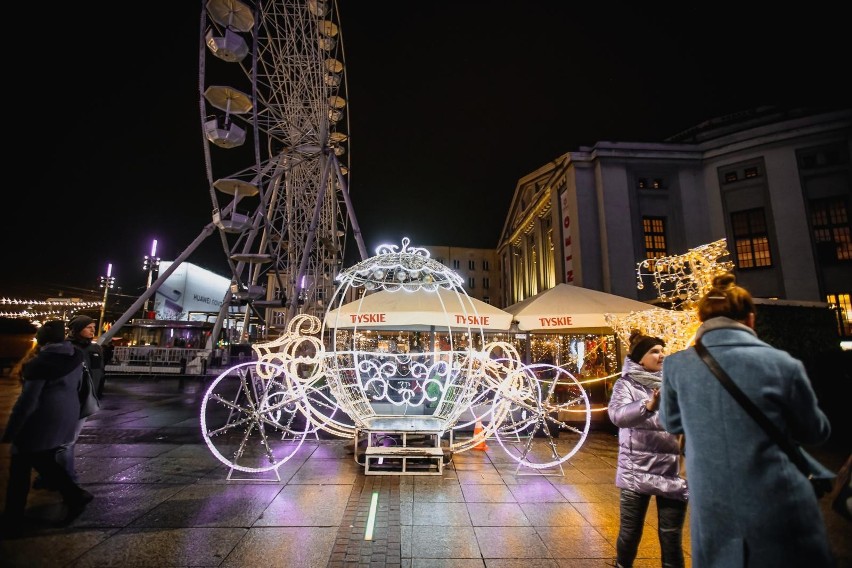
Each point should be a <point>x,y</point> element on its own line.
<point>402,445</point>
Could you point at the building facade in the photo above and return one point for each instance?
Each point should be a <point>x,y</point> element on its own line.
<point>479,268</point>
<point>776,184</point>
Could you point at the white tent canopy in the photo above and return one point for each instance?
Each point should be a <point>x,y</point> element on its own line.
<point>565,307</point>
<point>419,310</point>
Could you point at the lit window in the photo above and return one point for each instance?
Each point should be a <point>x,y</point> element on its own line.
<point>842,305</point>
<point>751,239</point>
<point>658,183</point>
<point>832,233</point>
<point>751,172</point>
<point>730,177</point>
<point>654,232</point>
<point>642,183</point>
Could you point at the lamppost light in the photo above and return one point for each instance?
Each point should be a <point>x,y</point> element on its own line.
<point>106,282</point>
<point>150,265</point>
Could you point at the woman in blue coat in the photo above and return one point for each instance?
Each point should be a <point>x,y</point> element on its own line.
<point>647,456</point>
<point>750,504</point>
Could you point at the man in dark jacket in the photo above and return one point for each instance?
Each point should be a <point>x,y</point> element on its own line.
<point>81,332</point>
<point>44,417</point>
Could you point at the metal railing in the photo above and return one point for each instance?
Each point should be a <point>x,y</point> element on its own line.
<point>159,360</point>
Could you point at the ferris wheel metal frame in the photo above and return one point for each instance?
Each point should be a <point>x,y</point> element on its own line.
<point>273,105</point>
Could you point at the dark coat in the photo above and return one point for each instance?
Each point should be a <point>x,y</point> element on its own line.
<point>94,360</point>
<point>46,413</point>
<point>750,504</point>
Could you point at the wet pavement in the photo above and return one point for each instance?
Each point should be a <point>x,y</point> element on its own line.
<point>163,499</point>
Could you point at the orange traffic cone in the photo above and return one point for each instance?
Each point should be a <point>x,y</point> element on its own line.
<point>476,430</point>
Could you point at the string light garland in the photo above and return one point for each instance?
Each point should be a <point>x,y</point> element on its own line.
<point>26,309</point>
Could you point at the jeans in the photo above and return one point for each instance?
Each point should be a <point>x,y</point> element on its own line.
<point>670,517</point>
<point>65,455</point>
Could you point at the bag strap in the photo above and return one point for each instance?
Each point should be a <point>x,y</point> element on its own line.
<point>751,408</point>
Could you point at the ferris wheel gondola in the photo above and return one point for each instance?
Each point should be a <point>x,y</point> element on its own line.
<point>274,115</point>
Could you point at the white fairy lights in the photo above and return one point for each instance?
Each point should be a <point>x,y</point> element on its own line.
<point>680,281</point>
<point>43,309</point>
<point>297,387</point>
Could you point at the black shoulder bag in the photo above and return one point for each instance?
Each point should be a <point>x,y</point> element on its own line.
<point>820,476</point>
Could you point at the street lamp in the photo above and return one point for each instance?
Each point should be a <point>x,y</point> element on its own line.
<point>107,282</point>
<point>151,264</point>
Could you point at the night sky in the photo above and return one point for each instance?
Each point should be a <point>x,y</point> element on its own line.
<point>450,103</point>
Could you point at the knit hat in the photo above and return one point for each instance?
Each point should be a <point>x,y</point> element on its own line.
<point>52,331</point>
<point>79,323</point>
<point>640,345</point>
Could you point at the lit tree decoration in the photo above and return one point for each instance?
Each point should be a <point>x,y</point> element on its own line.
<point>680,281</point>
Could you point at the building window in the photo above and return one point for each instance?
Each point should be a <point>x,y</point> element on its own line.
<point>730,177</point>
<point>439,260</point>
<point>486,299</point>
<point>456,264</point>
<point>471,264</point>
<point>823,157</point>
<point>654,232</point>
<point>751,172</point>
<point>842,306</point>
<point>486,283</point>
<point>830,222</point>
<point>485,265</point>
<point>751,239</point>
<point>654,183</point>
<point>471,282</point>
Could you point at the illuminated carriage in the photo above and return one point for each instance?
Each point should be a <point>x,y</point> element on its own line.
<point>411,386</point>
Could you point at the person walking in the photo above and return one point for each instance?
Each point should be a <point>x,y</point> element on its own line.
<point>44,416</point>
<point>81,332</point>
<point>750,504</point>
<point>647,456</point>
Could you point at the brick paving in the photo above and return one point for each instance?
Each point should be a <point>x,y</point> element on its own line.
<point>351,549</point>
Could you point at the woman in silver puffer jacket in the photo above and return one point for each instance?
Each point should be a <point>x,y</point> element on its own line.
<point>647,456</point>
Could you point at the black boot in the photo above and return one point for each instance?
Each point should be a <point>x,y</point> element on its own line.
<point>76,504</point>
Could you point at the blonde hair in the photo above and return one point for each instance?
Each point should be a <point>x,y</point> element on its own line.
<point>726,299</point>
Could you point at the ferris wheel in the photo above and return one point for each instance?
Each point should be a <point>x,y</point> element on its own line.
<point>274,115</point>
